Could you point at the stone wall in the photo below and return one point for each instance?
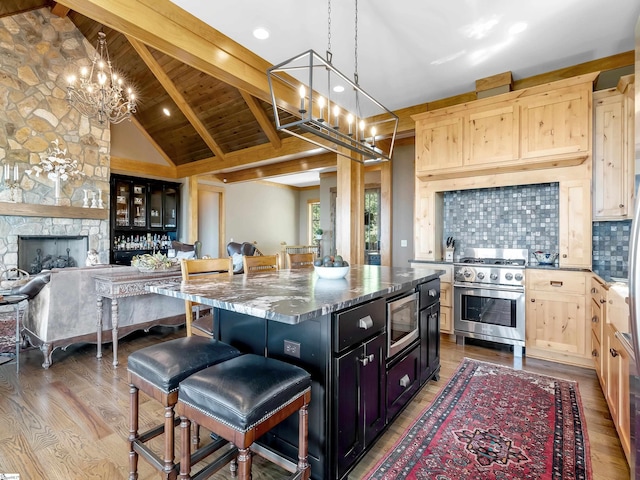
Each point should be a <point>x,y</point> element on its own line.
<point>37,52</point>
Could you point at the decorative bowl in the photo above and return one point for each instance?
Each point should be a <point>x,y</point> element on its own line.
<point>331,273</point>
<point>545,258</point>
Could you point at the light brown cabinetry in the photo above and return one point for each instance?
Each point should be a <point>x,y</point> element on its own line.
<point>539,127</point>
<point>614,360</point>
<point>439,144</point>
<point>613,158</point>
<point>446,293</point>
<point>574,224</point>
<point>556,325</point>
<point>556,123</point>
<point>598,312</point>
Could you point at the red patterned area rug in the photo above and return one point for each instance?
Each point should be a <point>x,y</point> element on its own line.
<point>493,422</point>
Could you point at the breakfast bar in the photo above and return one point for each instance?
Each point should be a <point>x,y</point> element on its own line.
<point>340,332</point>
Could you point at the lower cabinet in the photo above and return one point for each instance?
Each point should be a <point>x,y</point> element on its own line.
<point>556,325</point>
<point>359,400</point>
<point>403,379</point>
<point>429,342</point>
<point>617,387</point>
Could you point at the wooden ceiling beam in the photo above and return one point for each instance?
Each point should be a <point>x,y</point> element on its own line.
<point>263,120</point>
<point>164,26</point>
<point>60,10</point>
<point>175,95</point>
<point>262,172</point>
<point>137,167</point>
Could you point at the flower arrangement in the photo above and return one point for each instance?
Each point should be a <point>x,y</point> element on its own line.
<point>57,166</point>
<point>152,262</point>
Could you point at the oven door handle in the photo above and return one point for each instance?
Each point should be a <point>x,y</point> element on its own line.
<point>484,286</point>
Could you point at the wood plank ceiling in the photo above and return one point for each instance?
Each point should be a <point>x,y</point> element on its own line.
<point>209,118</point>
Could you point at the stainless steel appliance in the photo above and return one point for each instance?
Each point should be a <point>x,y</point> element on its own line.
<point>402,323</point>
<point>488,296</point>
<point>634,299</point>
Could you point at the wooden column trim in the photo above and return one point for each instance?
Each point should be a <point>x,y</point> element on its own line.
<point>350,210</point>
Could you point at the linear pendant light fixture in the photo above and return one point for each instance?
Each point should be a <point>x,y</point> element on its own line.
<point>335,113</point>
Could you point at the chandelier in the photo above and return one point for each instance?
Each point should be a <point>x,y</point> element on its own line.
<point>100,90</point>
<point>334,113</point>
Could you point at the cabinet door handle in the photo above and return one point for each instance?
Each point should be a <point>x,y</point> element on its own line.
<point>564,255</point>
<point>602,300</point>
<point>533,300</point>
<point>594,290</point>
<point>405,381</point>
<point>555,283</point>
<point>594,319</point>
<point>365,323</point>
<point>621,205</point>
<point>366,359</point>
<point>594,353</point>
<point>613,352</point>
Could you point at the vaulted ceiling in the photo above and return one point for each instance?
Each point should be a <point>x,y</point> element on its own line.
<point>221,119</point>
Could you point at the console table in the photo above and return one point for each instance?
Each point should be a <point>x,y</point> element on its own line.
<point>115,285</point>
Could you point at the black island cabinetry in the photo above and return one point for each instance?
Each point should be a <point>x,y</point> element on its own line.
<point>144,216</point>
<point>358,389</point>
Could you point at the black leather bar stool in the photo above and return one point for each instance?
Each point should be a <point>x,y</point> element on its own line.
<point>157,371</point>
<point>239,400</point>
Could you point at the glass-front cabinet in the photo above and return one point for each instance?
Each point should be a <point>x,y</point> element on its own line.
<point>144,216</point>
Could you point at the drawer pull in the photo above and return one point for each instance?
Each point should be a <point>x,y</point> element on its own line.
<point>555,283</point>
<point>404,381</point>
<point>432,292</point>
<point>564,255</point>
<point>594,353</point>
<point>594,290</point>
<point>613,352</point>
<point>594,319</point>
<point>602,300</point>
<point>365,323</point>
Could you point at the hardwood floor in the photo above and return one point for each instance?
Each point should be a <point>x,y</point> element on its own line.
<point>71,421</point>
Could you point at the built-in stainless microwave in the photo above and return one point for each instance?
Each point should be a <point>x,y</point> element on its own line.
<point>402,323</point>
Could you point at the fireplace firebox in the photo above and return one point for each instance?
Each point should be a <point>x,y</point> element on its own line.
<point>42,252</point>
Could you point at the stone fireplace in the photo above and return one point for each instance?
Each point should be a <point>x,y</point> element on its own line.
<point>36,252</point>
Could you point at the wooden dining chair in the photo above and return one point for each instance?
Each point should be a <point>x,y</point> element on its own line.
<point>300,260</point>
<point>260,263</point>
<point>202,268</point>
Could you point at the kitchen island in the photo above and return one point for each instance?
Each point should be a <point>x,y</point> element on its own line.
<point>337,331</point>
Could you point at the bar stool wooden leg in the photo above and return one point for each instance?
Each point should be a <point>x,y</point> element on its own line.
<point>303,444</point>
<point>244,464</point>
<point>169,452</point>
<point>133,432</point>
<point>185,447</point>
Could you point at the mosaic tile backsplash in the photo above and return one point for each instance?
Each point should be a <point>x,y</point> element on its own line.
<point>527,217</point>
<point>524,216</point>
<point>611,249</point>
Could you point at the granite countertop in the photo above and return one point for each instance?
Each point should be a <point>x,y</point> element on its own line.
<point>294,296</point>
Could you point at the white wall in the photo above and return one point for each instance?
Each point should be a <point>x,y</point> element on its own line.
<point>304,197</point>
<point>261,212</point>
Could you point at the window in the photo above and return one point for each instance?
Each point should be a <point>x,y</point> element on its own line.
<point>372,219</point>
<point>314,219</point>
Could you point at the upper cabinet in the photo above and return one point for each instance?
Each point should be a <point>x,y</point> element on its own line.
<point>556,122</point>
<point>539,127</point>
<point>613,162</point>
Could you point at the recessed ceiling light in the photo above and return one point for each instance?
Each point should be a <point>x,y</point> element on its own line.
<point>338,89</point>
<point>261,33</point>
<point>166,111</point>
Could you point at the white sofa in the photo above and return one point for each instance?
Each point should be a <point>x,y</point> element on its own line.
<point>64,311</point>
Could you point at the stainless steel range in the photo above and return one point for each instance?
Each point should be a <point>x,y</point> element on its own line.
<point>488,295</point>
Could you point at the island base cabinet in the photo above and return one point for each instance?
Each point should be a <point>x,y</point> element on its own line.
<point>359,401</point>
<point>430,343</point>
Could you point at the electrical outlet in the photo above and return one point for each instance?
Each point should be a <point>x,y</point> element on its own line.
<point>292,348</point>
<point>403,243</point>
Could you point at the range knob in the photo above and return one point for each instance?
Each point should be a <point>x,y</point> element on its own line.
<point>480,275</point>
<point>467,273</point>
<point>508,275</point>
<point>518,276</point>
<point>493,276</point>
